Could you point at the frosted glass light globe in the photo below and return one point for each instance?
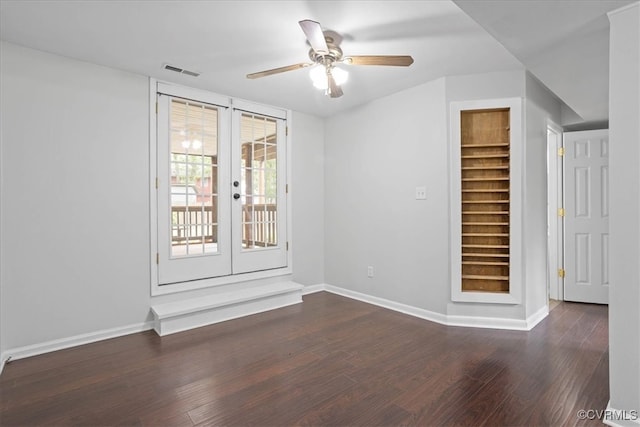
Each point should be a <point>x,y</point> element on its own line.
<point>319,76</point>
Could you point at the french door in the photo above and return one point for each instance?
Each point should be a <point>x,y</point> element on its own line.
<point>258,214</point>
<point>221,187</point>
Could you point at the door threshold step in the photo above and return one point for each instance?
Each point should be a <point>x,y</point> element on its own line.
<point>192,313</point>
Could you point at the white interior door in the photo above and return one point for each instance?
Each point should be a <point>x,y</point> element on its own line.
<point>586,195</point>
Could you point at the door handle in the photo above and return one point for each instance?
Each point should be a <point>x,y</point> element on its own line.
<point>236,183</point>
<point>236,196</point>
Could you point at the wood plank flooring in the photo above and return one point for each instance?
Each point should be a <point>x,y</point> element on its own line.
<point>330,361</point>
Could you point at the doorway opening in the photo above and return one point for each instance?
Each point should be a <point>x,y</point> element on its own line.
<point>578,215</point>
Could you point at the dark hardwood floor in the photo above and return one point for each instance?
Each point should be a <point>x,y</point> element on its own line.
<point>330,361</point>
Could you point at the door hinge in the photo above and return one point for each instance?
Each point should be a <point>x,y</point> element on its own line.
<point>561,212</point>
<point>561,272</point>
<point>286,130</point>
<point>286,188</point>
<point>561,151</point>
<point>287,245</point>
<point>156,107</point>
<point>157,183</point>
<point>157,258</point>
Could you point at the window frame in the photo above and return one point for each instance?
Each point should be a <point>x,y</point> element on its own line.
<point>223,101</point>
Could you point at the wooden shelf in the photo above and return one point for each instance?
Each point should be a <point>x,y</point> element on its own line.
<point>485,212</point>
<point>485,234</point>
<point>482,277</point>
<point>487,156</point>
<point>491,202</point>
<point>485,160</point>
<point>484,145</point>
<point>485,179</point>
<point>484,263</point>
<point>485,255</point>
<point>485,223</point>
<point>486,246</point>
<point>485,190</point>
<point>485,168</point>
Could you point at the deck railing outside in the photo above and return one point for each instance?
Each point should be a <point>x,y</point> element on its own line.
<point>197,224</point>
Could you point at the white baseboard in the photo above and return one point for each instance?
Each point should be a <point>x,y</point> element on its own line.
<point>391,305</point>
<point>499,323</point>
<point>60,344</point>
<point>443,319</point>
<point>312,289</point>
<point>487,322</point>
<point>3,360</point>
<point>616,417</point>
<point>73,341</point>
<point>537,317</point>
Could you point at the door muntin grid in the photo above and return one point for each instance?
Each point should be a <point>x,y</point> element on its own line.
<point>193,159</point>
<point>258,181</point>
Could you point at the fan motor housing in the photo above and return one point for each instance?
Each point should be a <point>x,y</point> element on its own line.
<point>334,55</point>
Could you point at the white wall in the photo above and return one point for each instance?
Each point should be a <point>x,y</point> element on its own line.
<point>2,266</point>
<point>500,84</point>
<point>307,187</point>
<point>75,207</point>
<point>375,156</point>
<point>2,355</point>
<point>624,224</point>
<point>505,84</point>
<point>541,107</point>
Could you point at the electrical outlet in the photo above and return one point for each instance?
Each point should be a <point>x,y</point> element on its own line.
<point>421,193</point>
<point>369,271</point>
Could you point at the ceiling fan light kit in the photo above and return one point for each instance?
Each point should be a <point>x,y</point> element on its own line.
<point>325,53</point>
<point>320,79</point>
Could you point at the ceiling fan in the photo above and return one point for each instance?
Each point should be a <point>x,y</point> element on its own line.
<point>326,53</point>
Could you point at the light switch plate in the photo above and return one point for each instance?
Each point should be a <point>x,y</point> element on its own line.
<point>421,193</point>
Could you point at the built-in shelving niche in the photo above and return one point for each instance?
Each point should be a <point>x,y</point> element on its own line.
<point>486,153</point>
<point>485,201</point>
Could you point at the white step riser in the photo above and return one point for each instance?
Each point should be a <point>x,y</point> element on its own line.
<point>172,324</point>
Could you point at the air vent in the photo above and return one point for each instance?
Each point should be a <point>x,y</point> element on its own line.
<point>181,70</point>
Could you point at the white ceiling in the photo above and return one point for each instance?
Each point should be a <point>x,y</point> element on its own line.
<point>225,40</point>
<point>565,44</point>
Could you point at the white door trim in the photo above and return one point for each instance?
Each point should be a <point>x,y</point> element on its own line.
<point>555,231</point>
<point>516,137</point>
<point>252,277</point>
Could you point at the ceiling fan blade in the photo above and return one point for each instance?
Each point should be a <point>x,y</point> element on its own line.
<point>334,90</point>
<point>313,31</point>
<point>277,70</point>
<point>395,60</point>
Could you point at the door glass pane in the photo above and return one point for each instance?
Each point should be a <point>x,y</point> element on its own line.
<point>258,181</point>
<point>194,178</point>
